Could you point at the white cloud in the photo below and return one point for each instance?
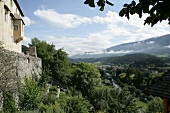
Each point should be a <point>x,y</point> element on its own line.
<point>151,42</point>
<point>74,45</point>
<point>28,21</point>
<point>61,20</point>
<point>26,40</point>
<point>167,46</point>
<point>118,30</point>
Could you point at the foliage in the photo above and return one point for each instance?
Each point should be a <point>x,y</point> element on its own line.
<point>61,67</point>
<point>9,105</point>
<point>85,77</point>
<point>44,77</point>
<point>50,108</point>
<point>155,105</point>
<point>124,103</point>
<point>156,9</point>
<point>45,51</point>
<point>136,60</point>
<point>55,62</point>
<point>86,93</point>
<point>74,104</point>
<point>30,95</point>
<point>100,3</point>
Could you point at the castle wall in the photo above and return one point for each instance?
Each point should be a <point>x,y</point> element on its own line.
<point>18,64</point>
<point>14,67</point>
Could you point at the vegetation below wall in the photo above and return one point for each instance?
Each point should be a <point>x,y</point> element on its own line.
<point>66,87</point>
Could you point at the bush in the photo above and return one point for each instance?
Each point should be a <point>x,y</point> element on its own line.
<point>30,95</point>
<point>155,105</point>
<point>9,105</point>
<point>138,92</point>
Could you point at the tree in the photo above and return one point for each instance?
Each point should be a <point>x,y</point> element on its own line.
<point>45,51</point>
<point>61,67</point>
<point>123,102</point>
<point>30,95</point>
<point>85,77</point>
<point>55,62</point>
<point>155,105</point>
<point>9,105</point>
<point>158,10</point>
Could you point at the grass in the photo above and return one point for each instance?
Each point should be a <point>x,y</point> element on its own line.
<point>156,74</point>
<point>140,103</point>
<point>163,55</point>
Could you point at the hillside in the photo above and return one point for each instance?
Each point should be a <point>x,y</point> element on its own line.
<point>155,46</point>
<point>132,59</point>
<point>136,59</point>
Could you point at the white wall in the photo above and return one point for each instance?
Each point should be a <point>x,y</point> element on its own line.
<point>6,27</point>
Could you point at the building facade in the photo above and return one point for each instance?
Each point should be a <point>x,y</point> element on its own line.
<point>11,25</point>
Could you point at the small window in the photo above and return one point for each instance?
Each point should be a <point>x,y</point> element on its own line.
<point>15,27</point>
<point>11,3</point>
<point>28,60</point>
<point>16,11</point>
<point>6,15</point>
<point>11,23</point>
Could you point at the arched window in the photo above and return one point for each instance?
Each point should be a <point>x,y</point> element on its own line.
<point>28,60</point>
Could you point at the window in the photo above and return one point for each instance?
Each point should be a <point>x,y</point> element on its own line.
<point>11,3</point>
<point>11,23</point>
<point>6,15</point>
<point>16,11</point>
<point>15,27</point>
<point>28,60</point>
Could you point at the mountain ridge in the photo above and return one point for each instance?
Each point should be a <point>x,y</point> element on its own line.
<point>155,45</point>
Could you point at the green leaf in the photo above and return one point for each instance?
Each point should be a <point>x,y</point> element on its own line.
<point>132,10</point>
<point>86,2</point>
<point>146,9</point>
<point>125,5</point>
<point>102,7</point>
<point>127,14</point>
<point>100,2</point>
<point>91,3</point>
<point>109,3</point>
<point>139,9</point>
<point>133,3</point>
<point>122,12</point>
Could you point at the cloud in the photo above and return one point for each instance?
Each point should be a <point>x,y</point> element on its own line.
<point>61,20</point>
<point>26,41</point>
<point>150,42</point>
<point>118,30</point>
<point>28,21</point>
<point>74,45</point>
<point>167,46</point>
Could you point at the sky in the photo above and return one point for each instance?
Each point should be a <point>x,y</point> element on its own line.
<point>78,28</point>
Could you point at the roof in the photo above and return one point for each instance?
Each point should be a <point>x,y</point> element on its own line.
<point>161,88</point>
<point>17,17</point>
<point>22,14</point>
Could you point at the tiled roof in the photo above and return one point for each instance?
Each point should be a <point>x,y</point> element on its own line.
<point>161,88</point>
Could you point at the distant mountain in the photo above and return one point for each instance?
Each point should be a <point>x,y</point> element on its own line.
<point>158,45</point>
<point>136,59</point>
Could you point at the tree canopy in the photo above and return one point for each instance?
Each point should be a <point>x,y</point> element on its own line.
<point>157,10</point>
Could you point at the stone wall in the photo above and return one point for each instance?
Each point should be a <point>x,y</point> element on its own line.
<point>19,64</point>
<point>14,67</point>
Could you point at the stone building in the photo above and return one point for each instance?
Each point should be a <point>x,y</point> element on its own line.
<point>11,36</point>
<point>14,65</point>
<point>11,25</point>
